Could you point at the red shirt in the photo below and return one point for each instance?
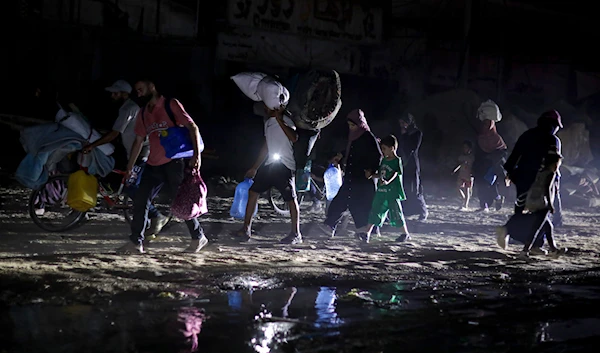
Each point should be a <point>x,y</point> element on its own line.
<point>155,121</point>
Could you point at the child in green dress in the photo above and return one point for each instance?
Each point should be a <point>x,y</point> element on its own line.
<point>390,191</point>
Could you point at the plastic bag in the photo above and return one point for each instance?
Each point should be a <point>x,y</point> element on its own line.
<point>262,88</point>
<point>536,199</point>
<point>248,83</point>
<point>82,191</point>
<point>272,93</point>
<point>489,110</point>
<point>177,142</point>
<point>190,201</point>
<point>77,123</point>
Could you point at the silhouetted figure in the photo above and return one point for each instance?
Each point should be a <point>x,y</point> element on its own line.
<point>490,154</point>
<point>409,144</point>
<point>528,156</point>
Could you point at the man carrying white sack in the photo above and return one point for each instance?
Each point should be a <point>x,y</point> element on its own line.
<point>279,169</point>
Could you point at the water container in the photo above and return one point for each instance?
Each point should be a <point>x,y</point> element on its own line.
<point>303,178</point>
<point>82,191</point>
<point>240,200</point>
<point>333,181</point>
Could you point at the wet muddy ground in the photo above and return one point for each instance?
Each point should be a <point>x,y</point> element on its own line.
<point>451,289</point>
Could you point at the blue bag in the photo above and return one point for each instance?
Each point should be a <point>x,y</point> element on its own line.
<point>176,140</point>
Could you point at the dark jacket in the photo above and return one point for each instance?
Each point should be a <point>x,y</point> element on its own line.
<point>529,152</point>
<point>408,146</point>
<point>364,155</point>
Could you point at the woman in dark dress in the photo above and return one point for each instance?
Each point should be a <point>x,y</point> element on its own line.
<point>357,191</point>
<point>409,144</point>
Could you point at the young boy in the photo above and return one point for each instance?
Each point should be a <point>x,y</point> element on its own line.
<point>390,191</point>
<point>539,204</point>
<point>464,181</point>
<point>280,166</point>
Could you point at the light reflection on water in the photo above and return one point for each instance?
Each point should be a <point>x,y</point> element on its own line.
<point>325,305</point>
<point>271,330</point>
<point>269,320</point>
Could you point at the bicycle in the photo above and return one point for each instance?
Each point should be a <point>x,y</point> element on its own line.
<point>281,207</point>
<point>53,194</point>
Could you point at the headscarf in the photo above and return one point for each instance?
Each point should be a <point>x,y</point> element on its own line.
<point>412,124</point>
<point>551,117</point>
<point>488,138</point>
<point>357,117</point>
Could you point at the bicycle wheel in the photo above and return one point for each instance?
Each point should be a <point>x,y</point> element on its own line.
<point>48,206</point>
<point>161,205</point>
<point>279,205</point>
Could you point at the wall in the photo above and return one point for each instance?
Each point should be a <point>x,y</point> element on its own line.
<point>139,15</point>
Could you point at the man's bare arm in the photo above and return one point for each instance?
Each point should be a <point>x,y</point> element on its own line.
<point>136,148</point>
<point>291,134</point>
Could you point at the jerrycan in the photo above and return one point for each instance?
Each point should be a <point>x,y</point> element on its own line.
<point>82,191</point>
<point>240,200</point>
<point>333,181</point>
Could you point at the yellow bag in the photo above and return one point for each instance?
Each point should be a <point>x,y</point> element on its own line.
<point>82,191</point>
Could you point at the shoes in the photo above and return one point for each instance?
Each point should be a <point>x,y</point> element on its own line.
<point>557,253</point>
<point>328,230</point>
<point>244,235</point>
<point>424,216</point>
<point>403,238</point>
<point>157,223</point>
<point>538,251</point>
<point>363,237</point>
<point>130,249</point>
<point>499,203</point>
<point>292,239</point>
<point>502,237</point>
<point>197,244</point>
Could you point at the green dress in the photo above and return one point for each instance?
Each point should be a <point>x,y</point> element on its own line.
<point>388,197</point>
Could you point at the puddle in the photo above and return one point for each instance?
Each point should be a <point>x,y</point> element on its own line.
<point>261,319</point>
<point>566,330</point>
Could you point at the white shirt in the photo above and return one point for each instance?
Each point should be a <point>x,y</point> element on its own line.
<point>279,146</point>
<point>125,124</point>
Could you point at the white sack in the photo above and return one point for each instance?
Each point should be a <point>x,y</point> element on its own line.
<point>78,124</point>
<point>248,83</point>
<point>489,110</point>
<point>272,93</point>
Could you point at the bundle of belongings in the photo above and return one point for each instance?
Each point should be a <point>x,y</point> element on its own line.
<point>312,103</point>
<point>51,148</point>
<point>489,110</point>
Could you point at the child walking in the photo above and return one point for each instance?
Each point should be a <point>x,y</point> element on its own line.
<point>390,191</point>
<point>464,180</point>
<point>537,223</point>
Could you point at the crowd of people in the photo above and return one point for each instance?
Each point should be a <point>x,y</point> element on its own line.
<point>381,176</point>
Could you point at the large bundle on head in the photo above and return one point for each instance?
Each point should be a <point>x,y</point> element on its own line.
<point>316,99</point>
<point>489,110</point>
<point>262,88</point>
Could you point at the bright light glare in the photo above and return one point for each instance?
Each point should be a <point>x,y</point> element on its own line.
<point>276,157</point>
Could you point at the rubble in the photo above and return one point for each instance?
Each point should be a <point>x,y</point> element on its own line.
<point>575,139</point>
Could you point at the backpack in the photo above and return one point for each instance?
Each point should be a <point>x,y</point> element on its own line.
<point>167,109</point>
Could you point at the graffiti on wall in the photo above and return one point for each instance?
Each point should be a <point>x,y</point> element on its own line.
<point>325,19</point>
<point>248,45</point>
